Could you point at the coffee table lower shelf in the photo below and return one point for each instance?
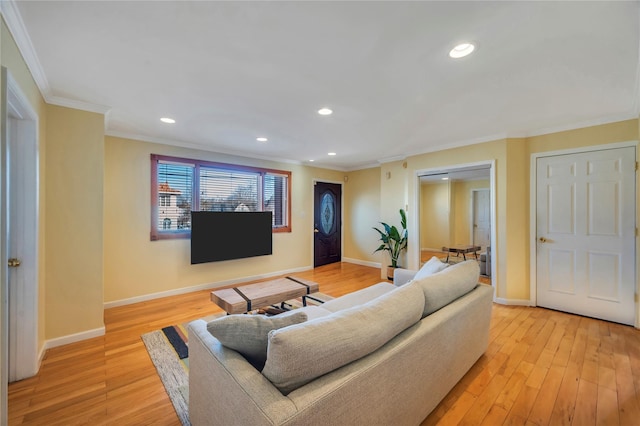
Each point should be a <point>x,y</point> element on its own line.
<point>245,298</point>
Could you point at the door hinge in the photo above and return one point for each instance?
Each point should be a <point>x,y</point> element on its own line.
<point>635,297</point>
<point>636,166</point>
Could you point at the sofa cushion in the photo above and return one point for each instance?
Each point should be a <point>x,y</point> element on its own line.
<point>433,266</point>
<point>357,297</point>
<point>314,312</point>
<point>298,354</point>
<point>445,287</point>
<point>248,334</point>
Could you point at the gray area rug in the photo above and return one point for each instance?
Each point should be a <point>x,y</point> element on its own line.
<point>172,371</point>
<point>168,350</point>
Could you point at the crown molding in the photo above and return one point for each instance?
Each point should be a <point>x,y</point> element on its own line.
<point>218,150</point>
<point>15,24</point>
<point>513,135</point>
<point>461,143</point>
<point>363,167</point>
<point>13,19</point>
<point>631,115</point>
<point>72,103</point>
<point>392,159</point>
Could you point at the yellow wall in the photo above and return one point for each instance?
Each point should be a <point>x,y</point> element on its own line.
<point>136,266</point>
<point>462,207</point>
<point>621,131</point>
<point>11,58</point>
<point>74,221</point>
<point>393,197</point>
<point>483,152</point>
<point>435,211</point>
<point>362,207</point>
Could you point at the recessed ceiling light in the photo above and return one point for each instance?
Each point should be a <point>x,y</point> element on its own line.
<point>311,161</point>
<point>445,178</point>
<point>331,153</point>
<point>325,111</point>
<point>461,50</point>
<point>167,120</point>
<point>261,139</point>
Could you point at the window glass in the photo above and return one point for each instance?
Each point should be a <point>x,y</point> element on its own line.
<point>180,185</point>
<point>175,185</point>
<point>228,191</point>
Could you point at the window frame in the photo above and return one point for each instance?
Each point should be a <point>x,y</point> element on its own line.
<point>158,234</point>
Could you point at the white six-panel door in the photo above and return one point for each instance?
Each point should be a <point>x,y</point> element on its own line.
<point>481,199</point>
<point>586,233</point>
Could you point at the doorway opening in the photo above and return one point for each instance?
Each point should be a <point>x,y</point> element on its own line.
<point>456,208</point>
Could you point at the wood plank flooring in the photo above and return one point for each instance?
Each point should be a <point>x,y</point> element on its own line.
<point>542,368</point>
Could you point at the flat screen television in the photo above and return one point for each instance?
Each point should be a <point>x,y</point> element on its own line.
<point>219,236</point>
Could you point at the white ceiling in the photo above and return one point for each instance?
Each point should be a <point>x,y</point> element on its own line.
<point>229,72</point>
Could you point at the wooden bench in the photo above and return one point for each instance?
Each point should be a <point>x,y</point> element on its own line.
<point>461,249</point>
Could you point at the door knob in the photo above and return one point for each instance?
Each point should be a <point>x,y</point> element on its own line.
<point>13,262</point>
<point>543,240</point>
<point>316,231</point>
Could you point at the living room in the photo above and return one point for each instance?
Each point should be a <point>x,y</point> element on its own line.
<point>94,252</point>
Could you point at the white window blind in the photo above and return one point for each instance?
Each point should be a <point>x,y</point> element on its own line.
<point>228,191</point>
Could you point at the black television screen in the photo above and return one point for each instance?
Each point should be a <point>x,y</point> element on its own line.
<point>219,236</point>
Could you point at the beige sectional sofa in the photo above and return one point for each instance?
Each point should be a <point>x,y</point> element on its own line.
<point>387,354</point>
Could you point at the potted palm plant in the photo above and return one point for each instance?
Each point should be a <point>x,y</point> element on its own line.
<point>393,241</point>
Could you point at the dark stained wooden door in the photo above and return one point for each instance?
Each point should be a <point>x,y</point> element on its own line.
<point>327,214</point>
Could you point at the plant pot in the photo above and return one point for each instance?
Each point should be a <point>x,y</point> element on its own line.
<point>390,270</point>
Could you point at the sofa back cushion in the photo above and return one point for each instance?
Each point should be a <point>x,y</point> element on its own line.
<point>299,353</point>
<point>446,286</point>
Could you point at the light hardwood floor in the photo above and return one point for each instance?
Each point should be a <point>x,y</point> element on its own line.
<point>541,368</point>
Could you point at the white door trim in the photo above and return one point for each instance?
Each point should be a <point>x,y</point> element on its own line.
<point>533,206</point>
<point>4,256</point>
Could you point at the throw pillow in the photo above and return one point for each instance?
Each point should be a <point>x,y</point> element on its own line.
<point>300,353</point>
<point>249,334</point>
<point>433,266</point>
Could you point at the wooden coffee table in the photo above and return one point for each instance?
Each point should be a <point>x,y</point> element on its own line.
<point>245,298</point>
<point>461,249</point>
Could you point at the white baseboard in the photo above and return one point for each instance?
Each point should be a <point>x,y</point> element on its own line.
<point>512,302</point>
<point>206,286</point>
<point>361,262</point>
<point>72,338</point>
<point>43,350</point>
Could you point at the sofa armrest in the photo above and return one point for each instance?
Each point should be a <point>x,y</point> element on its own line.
<point>403,276</point>
<point>226,389</point>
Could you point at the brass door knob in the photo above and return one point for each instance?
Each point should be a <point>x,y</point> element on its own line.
<point>13,263</point>
<point>543,240</point>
